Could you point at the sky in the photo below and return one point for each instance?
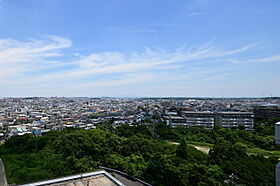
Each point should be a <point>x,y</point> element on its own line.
<point>140,48</point>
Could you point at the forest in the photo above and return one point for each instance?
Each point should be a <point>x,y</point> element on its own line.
<point>145,151</point>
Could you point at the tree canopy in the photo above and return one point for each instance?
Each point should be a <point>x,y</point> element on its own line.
<point>137,152</point>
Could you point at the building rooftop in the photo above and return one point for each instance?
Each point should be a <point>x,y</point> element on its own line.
<point>98,178</point>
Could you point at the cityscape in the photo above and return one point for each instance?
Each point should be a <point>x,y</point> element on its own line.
<point>39,115</point>
<point>199,122</point>
<point>139,93</point>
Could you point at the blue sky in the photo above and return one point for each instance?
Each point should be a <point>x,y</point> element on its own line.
<point>201,48</point>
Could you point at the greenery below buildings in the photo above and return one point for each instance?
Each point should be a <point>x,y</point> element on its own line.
<point>145,152</point>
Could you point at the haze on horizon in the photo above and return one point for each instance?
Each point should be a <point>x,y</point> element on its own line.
<point>147,48</point>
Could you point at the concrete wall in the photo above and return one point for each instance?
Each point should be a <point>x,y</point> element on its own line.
<point>3,180</point>
<point>277,133</point>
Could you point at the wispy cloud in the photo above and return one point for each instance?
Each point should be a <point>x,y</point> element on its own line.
<point>127,79</point>
<point>135,30</point>
<point>274,58</point>
<point>114,62</point>
<point>12,51</point>
<point>20,57</point>
<point>198,7</point>
<point>218,77</point>
<point>45,62</point>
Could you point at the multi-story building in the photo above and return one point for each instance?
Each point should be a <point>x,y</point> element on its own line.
<point>267,110</point>
<point>210,119</point>
<point>176,121</point>
<point>234,119</point>
<point>205,119</point>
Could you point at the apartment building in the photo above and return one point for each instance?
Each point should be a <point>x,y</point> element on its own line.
<point>210,119</point>
<point>205,119</point>
<point>267,110</point>
<point>176,121</point>
<point>234,119</point>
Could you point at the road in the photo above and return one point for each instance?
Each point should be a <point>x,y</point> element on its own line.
<point>3,180</point>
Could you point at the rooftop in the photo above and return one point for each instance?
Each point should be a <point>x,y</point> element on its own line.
<point>98,178</point>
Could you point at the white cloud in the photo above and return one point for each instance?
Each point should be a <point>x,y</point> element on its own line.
<point>218,77</point>
<point>12,51</point>
<point>114,62</point>
<point>135,30</point>
<point>34,63</point>
<point>274,58</point>
<point>120,81</point>
<point>198,7</point>
<point>19,57</point>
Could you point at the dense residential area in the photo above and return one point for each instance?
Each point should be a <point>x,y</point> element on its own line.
<point>163,141</point>
<point>39,115</point>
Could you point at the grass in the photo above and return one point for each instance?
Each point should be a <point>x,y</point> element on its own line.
<point>259,151</point>
<point>194,143</point>
<point>264,152</point>
<point>200,143</point>
<point>256,151</point>
<point>201,146</point>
